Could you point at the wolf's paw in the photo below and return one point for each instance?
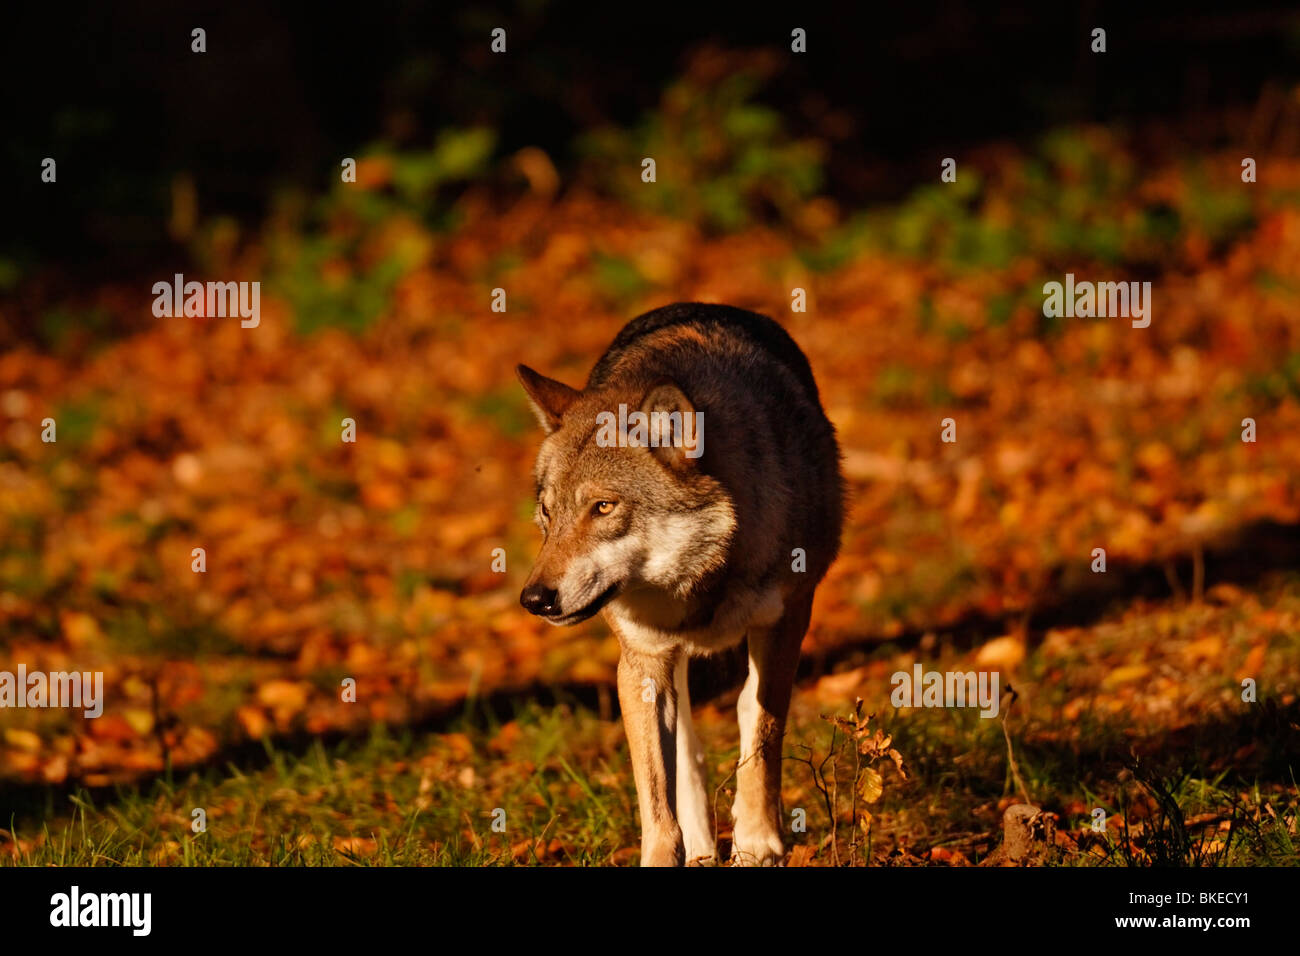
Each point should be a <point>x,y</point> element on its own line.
<point>761,848</point>
<point>701,849</point>
<point>662,849</point>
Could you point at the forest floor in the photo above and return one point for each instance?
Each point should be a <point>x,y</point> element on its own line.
<point>378,562</point>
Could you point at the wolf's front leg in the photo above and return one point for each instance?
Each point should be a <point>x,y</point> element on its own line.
<point>762,708</point>
<point>693,812</point>
<point>649,702</point>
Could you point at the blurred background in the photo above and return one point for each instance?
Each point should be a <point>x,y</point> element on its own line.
<point>521,171</point>
<point>128,109</point>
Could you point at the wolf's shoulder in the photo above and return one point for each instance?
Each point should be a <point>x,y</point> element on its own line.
<point>703,325</point>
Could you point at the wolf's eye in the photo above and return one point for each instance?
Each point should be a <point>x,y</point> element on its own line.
<point>546,515</point>
<point>602,508</point>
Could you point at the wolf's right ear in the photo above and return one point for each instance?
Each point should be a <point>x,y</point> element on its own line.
<point>549,398</point>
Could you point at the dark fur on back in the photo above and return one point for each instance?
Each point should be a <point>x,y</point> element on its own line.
<point>761,405</point>
<point>758,328</point>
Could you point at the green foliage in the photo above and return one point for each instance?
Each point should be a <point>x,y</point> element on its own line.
<point>77,420</point>
<point>619,279</point>
<point>507,409</point>
<point>1219,214</point>
<point>338,260</point>
<point>173,632</point>
<point>63,329</point>
<point>460,155</point>
<point>1074,200</point>
<point>722,160</point>
<point>351,304</point>
<point>1279,383</point>
<point>900,386</point>
<point>10,274</point>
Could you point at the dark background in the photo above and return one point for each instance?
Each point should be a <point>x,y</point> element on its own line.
<point>113,92</point>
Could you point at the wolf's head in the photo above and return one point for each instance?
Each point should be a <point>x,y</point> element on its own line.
<point>619,516</point>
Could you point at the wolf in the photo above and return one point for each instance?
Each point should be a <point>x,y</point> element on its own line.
<point>689,544</point>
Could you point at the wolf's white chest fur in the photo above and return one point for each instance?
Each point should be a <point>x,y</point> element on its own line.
<point>645,620</point>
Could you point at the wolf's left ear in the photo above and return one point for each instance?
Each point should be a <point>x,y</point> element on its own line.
<point>549,398</point>
<point>675,427</point>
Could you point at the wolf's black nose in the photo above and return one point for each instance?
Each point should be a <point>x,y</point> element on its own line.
<point>537,599</point>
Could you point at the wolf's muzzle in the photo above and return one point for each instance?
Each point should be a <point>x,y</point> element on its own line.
<point>540,600</point>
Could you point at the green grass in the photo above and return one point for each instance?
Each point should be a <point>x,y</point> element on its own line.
<point>1216,785</point>
<point>409,799</point>
<point>426,799</point>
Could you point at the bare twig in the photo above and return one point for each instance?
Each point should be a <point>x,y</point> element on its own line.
<point>1011,757</point>
<point>721,787</point>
